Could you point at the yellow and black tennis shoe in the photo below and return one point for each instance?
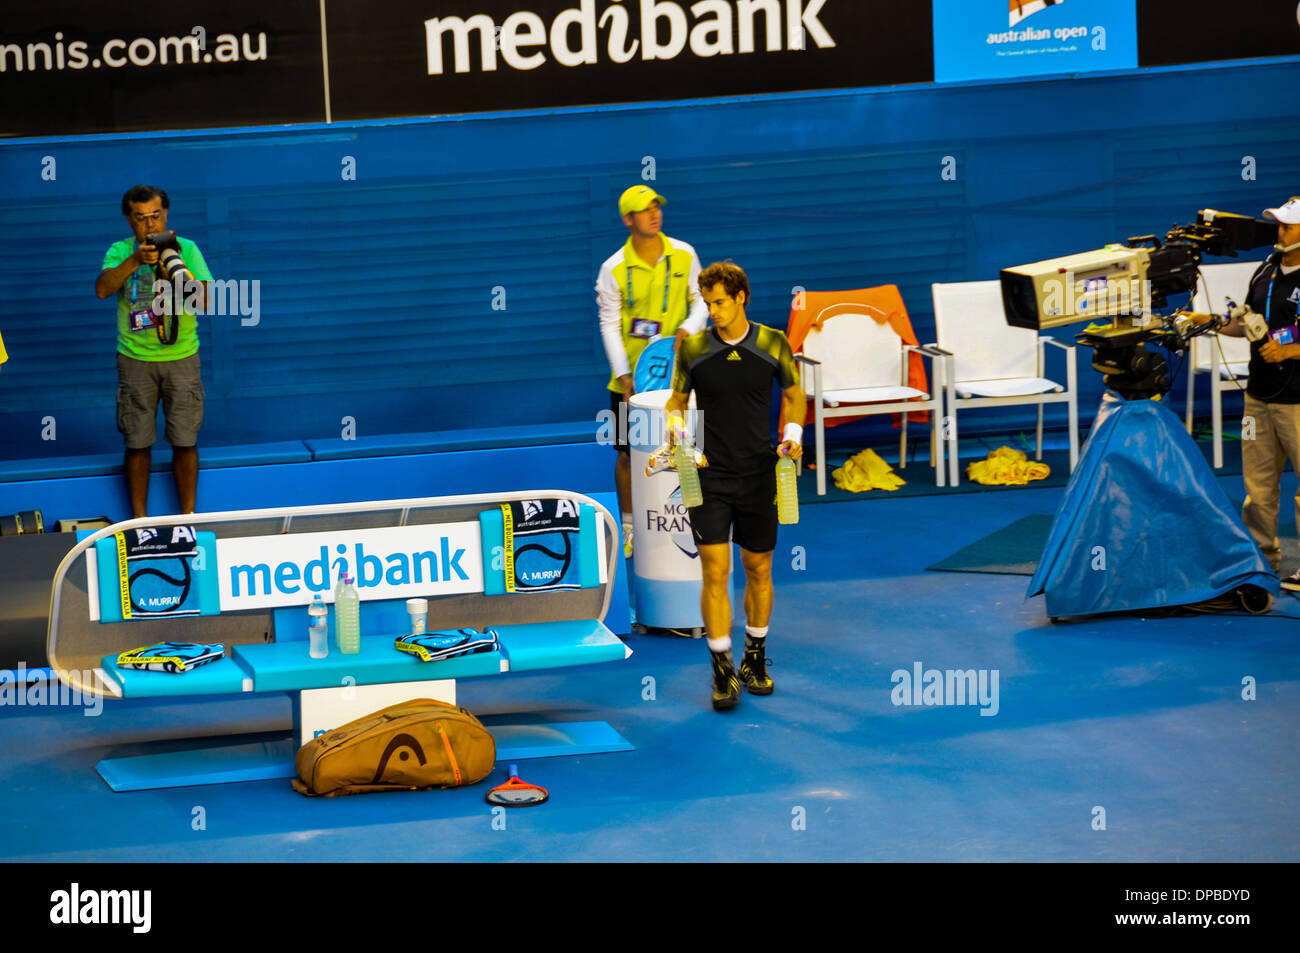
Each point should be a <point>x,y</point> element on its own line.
<point>753,668</point>
<point>726,686</point>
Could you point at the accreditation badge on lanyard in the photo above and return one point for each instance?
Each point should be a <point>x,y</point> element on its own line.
<point>1288,334</point>
<point>140,318</point>
<point>648,328</point>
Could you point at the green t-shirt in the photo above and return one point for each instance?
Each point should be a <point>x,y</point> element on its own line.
<point>144,345</point>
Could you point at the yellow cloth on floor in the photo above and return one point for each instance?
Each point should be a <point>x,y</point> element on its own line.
<point>866,471</point>
<point>1007,467</point>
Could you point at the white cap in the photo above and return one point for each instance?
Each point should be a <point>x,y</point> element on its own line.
<point>1288,214</point>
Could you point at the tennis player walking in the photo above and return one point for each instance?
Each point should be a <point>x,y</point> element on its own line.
<point>731,367</point>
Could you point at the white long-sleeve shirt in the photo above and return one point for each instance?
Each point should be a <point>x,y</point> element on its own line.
<point>611,298</point>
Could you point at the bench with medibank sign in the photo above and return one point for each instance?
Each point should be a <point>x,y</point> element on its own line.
<point>392,563</point>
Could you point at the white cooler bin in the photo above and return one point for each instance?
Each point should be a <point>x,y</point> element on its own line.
<point>666,578</point>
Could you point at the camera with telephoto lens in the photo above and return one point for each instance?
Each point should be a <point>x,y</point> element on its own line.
<point>170,264</point>
<point>164,240</point>
<point>171,269</point>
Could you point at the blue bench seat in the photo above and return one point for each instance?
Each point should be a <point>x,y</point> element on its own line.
<point>223,677</point>
<point>108,464</point>
<point>287,667</point>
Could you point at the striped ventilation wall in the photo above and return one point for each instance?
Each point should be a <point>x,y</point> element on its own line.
<point>392,285</point>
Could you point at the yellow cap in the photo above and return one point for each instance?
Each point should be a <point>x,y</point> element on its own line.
<point>638,199</point>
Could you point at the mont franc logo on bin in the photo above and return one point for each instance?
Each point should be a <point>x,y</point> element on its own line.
<point>384,563</point>
<point>675,520</point>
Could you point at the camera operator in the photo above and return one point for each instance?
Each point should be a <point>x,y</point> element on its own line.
<point>1273,391</point>
<point>154,273</point>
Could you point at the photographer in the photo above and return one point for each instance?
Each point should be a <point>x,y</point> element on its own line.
<point>158,278</point>
<point>1273,391</point>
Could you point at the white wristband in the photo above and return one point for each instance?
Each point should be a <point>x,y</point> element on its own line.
<point>793,432</point>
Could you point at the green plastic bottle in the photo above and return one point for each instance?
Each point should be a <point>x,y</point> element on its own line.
<point>684,458</point>
<point>787,491</point>
<point>347,613</point>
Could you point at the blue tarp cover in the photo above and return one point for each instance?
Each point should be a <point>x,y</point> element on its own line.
<point>1144,522</point>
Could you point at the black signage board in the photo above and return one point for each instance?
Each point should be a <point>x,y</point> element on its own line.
<point>1195,31</point>
<point>69,67</point>
<point>429,57</point>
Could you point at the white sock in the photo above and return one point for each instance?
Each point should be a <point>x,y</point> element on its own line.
<point>718,646</point>
<point>756,632</point>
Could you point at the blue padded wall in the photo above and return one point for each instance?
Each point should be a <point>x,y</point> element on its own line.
<point>377,293</point>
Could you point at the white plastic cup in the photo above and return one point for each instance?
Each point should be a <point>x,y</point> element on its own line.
<point>418,609</point>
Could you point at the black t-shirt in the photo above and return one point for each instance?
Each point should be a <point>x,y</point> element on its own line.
<point>733,392</point>
<point>1274,383</point>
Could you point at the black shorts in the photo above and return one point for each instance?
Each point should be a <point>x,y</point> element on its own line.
<point>747,504</point>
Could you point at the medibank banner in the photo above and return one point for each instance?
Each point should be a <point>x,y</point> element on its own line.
<point>1008,39</point>
<point>418,57</point>
<point>395,563</point>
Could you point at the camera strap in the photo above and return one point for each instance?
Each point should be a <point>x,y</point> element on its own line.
<point>165,334</point>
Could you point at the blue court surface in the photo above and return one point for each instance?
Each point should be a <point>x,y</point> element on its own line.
<point>1138,727</point>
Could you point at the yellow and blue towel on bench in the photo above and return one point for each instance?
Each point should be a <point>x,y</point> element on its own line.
<point>151,573</point>
<point>539,546</point>
<point>436,646</point>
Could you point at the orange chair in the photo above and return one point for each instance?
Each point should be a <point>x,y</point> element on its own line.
<point>861,357</point>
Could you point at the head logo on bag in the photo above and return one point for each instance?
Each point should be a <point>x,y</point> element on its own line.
<point>397,744</point>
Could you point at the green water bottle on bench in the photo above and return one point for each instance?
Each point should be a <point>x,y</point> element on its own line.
<point>347,617</point>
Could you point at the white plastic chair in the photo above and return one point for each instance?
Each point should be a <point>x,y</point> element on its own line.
<point>1225,359</point>
<point>996,365</point>
<point>859,367</point>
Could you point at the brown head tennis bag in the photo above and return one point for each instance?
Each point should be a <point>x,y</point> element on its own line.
<point>416,745</point>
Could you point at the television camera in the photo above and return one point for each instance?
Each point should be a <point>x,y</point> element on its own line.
<point>1126,286</point>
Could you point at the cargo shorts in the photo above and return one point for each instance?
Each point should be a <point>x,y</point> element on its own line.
<point>142,384</point>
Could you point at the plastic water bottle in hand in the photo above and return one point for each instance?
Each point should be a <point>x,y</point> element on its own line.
<point>684,459</point>
<point>787,491</point>
<point>318,630</point>
<point>347,617</point>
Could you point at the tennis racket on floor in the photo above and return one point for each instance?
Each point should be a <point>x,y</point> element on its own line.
<point>516,793</point>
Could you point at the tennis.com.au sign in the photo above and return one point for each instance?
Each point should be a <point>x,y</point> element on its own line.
<point>394,563</point>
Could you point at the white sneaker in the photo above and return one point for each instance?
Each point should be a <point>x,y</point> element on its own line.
<point>627,541</point>
<point>1291,583</point>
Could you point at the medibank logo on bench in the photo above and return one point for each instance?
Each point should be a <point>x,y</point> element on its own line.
<point>395,563</point>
